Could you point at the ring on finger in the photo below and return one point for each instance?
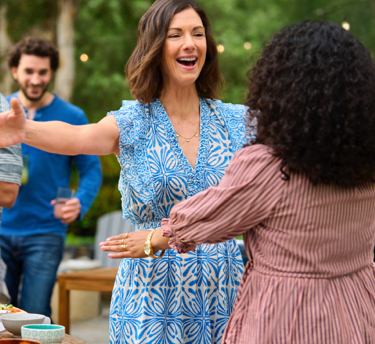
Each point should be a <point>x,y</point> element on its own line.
<point>126,235</point>
<point>123,248</point>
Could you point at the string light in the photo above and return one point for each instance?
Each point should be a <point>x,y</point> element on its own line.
<point>247,45</point>
<point>220,48</point>
<point>345,25</point>
<point>84,57</point>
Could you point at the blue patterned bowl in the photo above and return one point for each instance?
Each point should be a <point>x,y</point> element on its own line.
<point>46,334</point>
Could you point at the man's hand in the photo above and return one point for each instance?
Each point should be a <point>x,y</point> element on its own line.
<point>70,210</point>
<point>12,125</point>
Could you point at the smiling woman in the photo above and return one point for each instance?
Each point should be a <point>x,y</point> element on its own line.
<point>186,45</point>
<point>184,139</point>
<point>144,64</point>
<point>173,142</point>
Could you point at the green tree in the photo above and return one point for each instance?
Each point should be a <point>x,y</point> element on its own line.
<point>106,30</point>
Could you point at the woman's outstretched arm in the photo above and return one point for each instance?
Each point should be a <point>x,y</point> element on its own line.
<point>58,137</point>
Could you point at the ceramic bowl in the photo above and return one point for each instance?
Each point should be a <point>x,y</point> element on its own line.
<point>13,322</point>
<point>46,334</point>
<point>18,341</point>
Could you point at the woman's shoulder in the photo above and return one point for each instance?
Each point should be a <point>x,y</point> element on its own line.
<point>258,160</point>
<point>257,154</point>
<point>228,109</point>
<point>129,109</point>
<point>131,120</point>
<point>257,150</point>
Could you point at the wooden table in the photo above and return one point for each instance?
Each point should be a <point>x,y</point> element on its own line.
<point>67,339</point>
<point>101,280</point>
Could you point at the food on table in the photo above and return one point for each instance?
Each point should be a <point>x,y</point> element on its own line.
<point>11,308</point>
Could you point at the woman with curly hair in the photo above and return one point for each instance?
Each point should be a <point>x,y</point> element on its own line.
<point>303,195</point>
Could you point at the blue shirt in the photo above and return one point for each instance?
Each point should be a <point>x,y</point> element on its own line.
<point>32,213</point>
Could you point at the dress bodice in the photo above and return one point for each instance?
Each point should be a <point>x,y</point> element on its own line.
<point>155,173</point>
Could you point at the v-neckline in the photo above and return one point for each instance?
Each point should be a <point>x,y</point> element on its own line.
<point>172,136</point>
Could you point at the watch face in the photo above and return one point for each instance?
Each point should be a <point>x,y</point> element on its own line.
<point>147,249</point>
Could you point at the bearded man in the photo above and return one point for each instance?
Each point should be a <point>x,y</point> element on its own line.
<point>31,238</point>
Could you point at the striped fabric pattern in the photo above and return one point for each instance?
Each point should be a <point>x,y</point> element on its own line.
<point>311,276</point>
<point>11,164</point>
<point>10,157</point>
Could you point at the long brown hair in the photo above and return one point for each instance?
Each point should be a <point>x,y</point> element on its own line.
<point>143,67</point>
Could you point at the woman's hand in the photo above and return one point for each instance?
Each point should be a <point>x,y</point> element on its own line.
<point>128,245</point>
<point>12,125</point>
<point>131,245</point>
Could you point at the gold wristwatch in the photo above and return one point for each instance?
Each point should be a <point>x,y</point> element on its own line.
<point>148,247</point>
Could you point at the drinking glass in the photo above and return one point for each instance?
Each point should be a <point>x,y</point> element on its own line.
<point>62,195</point>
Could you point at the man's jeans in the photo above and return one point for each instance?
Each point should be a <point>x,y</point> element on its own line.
<point>35,258</point>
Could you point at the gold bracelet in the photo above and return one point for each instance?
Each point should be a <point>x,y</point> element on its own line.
<point>148,247</point>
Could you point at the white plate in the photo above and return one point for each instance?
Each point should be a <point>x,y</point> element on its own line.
<point>79,264</point>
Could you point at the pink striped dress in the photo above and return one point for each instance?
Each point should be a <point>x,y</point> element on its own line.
<point>311,276</point>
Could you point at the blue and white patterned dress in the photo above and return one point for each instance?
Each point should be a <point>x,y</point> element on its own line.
<point>180,298</point>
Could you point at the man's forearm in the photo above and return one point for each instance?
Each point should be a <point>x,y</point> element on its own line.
<point>8,194</point>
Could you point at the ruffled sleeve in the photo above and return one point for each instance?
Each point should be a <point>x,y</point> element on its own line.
<point>247,194</point>
<point>130,119</point>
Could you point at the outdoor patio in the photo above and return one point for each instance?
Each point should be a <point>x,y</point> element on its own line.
<point>94,330</point>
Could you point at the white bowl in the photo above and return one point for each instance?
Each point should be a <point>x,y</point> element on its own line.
<point>46,334</point>
<point>13,322</point>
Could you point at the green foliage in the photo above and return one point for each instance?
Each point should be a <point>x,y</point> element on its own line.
<point>22,15</point>
<point>106,30</point>
<point>358,13</point>
<point>74,240</point>
<point>234,23</point>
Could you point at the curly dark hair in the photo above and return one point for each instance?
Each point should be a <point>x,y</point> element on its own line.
<point>312,92</point>
<point>33,46</point>
<point>143,67</point>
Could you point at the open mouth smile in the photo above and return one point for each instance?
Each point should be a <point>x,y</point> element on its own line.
<point>188,61</point>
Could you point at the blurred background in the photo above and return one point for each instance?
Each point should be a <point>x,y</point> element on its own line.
<point>96,37</point>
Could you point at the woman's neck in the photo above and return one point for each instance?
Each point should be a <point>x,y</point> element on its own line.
<point>180,104</point>
<point>183,109</point>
